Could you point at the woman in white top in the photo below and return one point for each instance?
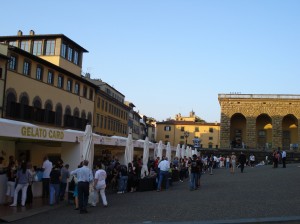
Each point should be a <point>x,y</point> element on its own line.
<point>233,162</point>
<point>100,183</point>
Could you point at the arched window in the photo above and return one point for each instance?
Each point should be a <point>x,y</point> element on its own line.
<point>68,119</point>
<point>58,115</point>
<point>25,109</point>
<point>49,114</point>
<point>38,113</point>
<point>77,120</point>
<point>11,106</point>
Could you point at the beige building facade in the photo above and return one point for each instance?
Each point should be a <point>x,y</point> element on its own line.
<point>44,97</point>
<point>259,121</point>
<point>39,90</point>
<point>111,114</point>
<point>184,130</point>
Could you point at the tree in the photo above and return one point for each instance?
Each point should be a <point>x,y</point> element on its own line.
<point>199,119</point>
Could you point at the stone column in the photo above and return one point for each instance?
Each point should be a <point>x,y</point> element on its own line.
<point>277,132</point>
<point>251,132</point>
<point>225,132</point>
<point>298,139</point>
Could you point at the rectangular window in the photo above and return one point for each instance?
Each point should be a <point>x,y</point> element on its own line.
<point>13,63</point>
<point>76,57</point>
<point>25,45</point>
<point>85,92</point>
<point>70,54</point>
<point>50,47</point>
<point>102,105</point>
<point>39,73</point>
<point>182,129</point>
<point>1,73</point>
<point>101,122</point>
<point>91,94</point>
<point>26,68</point>
<point>167,128</point>
<point>167,136</point>
<point>50,77</point>
<point>37,47</point>
<point>98,120</point>
<point>211,130</point>
<point>77,88</point>
<point>98,102</point>
<point>210,138</point>
<point>196,129</point>
<point>69,85</point>
<point>63,50</point>
<point>60,82</point>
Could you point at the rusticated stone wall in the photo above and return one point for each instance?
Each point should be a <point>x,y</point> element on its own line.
<point>253,105</point>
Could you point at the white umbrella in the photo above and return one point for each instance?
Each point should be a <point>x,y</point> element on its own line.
<point>88,146</point>
<point>159,150</point>
<point>178,151</point>
<point>128,157</point>
<point>189,149</point>
<point>145,158</point>
<point>182,153</point>
<point>168,151</point>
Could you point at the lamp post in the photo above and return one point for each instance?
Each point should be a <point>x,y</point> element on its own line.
<point>186,135</point>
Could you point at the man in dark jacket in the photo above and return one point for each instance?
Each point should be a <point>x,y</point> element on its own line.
<point>242,161</point>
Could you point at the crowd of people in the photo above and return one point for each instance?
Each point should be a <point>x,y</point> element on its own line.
<point>87,184</point>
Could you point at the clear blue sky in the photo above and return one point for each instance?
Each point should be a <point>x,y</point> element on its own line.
<point>174,56</point>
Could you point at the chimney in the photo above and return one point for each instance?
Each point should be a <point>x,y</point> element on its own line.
<point>20,33</point>
<point>31,33</point>
<point>88,75</point>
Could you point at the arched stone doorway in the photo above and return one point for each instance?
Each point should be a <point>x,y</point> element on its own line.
<point>289,131</point>
<point>238,130</point>
<point>264,131</point>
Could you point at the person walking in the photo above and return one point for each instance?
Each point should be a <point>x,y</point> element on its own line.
<point>65,174</point>
<point>210,164</point>
<point>252,160</point>
<point>55,177</point>
<point>194,173</point>
<point>11,182</point>
<point>227,161</point>
<point>47,167</point>
<point>242,161</point>
<point>123,179</point>
<point>84,176</point>
<point>23,177</point>
<point>100,183</point>
<point>233,162</point>
<point>283,158</point>
<point>164,167</point>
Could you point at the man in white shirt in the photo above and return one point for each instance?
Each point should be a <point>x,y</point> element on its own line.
<point>47,167</point>
<point>164,167</point>
<point>283,157</point>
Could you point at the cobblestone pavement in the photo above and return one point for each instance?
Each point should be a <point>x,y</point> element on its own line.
<point>260,195</point>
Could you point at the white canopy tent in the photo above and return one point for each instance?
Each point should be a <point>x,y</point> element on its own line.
<point>88,146</point>
<point>178,151</point>
<point>128,156</point>
<point>159,149</point>
<point>168,151</point>
<point>145,170</point>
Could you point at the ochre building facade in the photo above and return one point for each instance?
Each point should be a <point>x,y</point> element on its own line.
<point>259,121</point>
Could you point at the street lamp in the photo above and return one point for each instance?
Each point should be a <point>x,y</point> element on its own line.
<point>186,135</point>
